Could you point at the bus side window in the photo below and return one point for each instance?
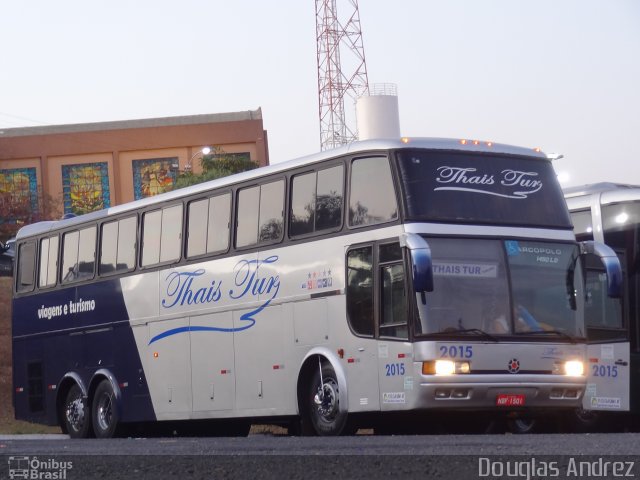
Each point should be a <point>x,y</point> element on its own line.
<point>329,198</point>
<point>601,311</point>
<point>360,290</point>
<point>78,255</point>
<point>260,216</point>
<point>118,246</point>
<point>171,236</point>
<point>372,199</point>
<point>48,261</point>
<point>316,201</point>
<point>219,223</point>
<point>162,235</point>
<point>271,211</point>
<point>26,267</point>
<point>127,232</point>
<point>582,225</point>
<point>211,236</point>
<point>303,189</point>
<point>109,248</point>
<point>87,253</point>
<point>196,228</point>
<point>247,216</point>
<point>151,224</point>
<point>70,256</point>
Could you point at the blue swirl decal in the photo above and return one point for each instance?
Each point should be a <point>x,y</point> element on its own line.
<point>182,289</point>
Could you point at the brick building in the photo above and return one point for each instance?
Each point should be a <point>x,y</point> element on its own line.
<point>85,167</point>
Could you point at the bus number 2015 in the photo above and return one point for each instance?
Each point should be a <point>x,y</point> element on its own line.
<point>456,351</point>
<point>604,371</point>
<point>394,369</point>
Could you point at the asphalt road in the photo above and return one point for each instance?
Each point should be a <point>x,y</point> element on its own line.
<point>370,457</point>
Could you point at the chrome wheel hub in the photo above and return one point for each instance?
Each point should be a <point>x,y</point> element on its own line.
<point>327,400</point>
<point>104,411</point>
<point>75,413</point>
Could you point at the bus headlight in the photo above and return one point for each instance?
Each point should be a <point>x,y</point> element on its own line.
<point>573,368</point>
<point>445,367</point>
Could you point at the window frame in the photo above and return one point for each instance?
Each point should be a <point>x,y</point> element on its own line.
<point>371,246</point>
<point>33,243</point>
<point>377,289</point>
<point>208,199</point>
<point>77,229</point>
<point>405,284</point>
<point>315,231</point>
<point>101,242</point>
<point>236,213</point>
<point>347,203</point>
<point>56,282</point>
<point>141,231</point>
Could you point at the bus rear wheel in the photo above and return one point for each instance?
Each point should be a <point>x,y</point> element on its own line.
<point>104,411</point>
<point>76,414</point>
<point>324,403</point>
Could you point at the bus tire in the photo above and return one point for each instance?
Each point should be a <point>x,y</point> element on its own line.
<point>76,414</point>
<point>584,421</point>
<point>104,411</point>
<point>324,413</point>
<point>522,425</point>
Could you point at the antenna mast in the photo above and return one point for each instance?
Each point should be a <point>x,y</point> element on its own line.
<point>342,71</point>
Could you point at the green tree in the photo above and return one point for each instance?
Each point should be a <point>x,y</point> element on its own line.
<point>17,211</point>
<point>216,164</point>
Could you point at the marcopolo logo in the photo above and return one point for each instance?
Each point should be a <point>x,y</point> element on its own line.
<point>38,469</point>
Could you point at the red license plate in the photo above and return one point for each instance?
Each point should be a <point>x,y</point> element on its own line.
<point>510,400</point>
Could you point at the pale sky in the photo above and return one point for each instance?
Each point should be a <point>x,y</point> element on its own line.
<point>563,75</point>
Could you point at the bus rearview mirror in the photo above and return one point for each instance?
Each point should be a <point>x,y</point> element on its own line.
<point>611,264</point>
<point>420,257</point>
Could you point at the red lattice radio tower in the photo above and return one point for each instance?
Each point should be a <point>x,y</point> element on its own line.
<point>342,71</point>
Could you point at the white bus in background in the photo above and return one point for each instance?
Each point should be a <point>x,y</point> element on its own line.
<point>610,213</point>
<point>327,293</point>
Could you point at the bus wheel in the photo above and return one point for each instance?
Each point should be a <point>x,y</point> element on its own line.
<point>523,425</point>
<point>324,403</point>
<point>104,411</point>
<point>584,421</point>
<point>76,414</point>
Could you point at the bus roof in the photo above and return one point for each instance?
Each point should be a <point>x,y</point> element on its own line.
<point>352,148</point>
<point>595,188</point>
<point>606,192</point>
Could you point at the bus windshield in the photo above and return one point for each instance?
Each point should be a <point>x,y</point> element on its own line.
<point>474,280</point>
<point>481,188</point>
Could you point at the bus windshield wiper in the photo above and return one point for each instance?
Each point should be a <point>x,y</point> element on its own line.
<point>477,331</point>
<point>559,333</point>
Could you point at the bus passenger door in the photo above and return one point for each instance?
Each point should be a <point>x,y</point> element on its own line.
<point>608,352</point>
<point>395,363</point>
<point>359,345</point>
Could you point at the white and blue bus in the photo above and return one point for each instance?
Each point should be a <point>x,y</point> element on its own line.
<point>406,276</point>
<point>610,213</point>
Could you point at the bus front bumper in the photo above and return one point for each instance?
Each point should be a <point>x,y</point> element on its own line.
<point>525,393</point>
